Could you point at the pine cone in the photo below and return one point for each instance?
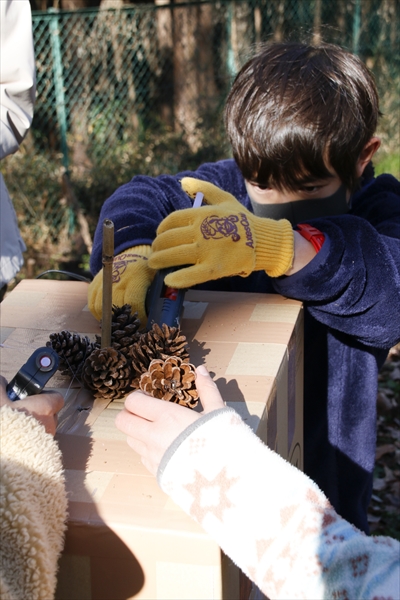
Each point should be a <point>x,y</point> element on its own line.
<point>72,350</point>
<point>108,373</point>
<point>124,329</point>
<point>171,379</point>
<point>158,343</point>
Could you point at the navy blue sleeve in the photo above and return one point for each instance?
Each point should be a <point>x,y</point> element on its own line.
<point>353,283</point>
<point>138,207</point>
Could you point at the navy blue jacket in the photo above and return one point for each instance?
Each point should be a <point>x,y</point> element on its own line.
<point>351,295</point>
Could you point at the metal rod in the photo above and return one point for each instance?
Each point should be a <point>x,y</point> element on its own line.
<point>108,256</point>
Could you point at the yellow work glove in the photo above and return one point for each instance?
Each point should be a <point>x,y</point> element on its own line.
<point>219,240</point>
<point>131,278</point>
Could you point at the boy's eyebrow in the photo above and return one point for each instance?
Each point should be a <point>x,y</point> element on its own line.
<point>306,180</point>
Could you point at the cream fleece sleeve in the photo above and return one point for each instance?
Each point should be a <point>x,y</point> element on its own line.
<point>33,508</point>
<point>271,519</point>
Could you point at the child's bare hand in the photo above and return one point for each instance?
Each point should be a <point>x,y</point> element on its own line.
<point>43,407</point>
<point>152,425</point>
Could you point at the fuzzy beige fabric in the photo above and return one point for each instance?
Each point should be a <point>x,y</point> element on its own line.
<point>33,508</point>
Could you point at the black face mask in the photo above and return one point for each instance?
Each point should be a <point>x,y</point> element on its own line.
<point>301,211</point>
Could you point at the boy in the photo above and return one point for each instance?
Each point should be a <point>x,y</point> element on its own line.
<point>298,213</point>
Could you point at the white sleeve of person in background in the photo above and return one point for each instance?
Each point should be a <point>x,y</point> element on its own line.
<point>17,98</point>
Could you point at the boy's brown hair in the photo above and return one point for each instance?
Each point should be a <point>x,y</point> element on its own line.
<point>293,107</point>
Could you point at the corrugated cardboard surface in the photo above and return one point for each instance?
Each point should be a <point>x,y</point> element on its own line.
<point>126,538</point>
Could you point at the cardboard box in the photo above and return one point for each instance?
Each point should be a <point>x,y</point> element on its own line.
<point>126,538</point>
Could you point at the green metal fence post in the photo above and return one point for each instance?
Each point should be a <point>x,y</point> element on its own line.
<point>230,55</point>
<point>356,26</point>
<point>59,84</point>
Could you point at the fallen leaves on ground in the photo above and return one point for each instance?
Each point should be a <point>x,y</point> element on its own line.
<point>385,505</point>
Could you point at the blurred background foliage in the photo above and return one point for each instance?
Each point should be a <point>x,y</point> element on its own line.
<point>125,89</point>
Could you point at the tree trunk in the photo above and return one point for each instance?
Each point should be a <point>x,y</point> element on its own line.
<point>194,80</point>
<point>164,19</point>
<point>77,4</point>
<point>317,22</point>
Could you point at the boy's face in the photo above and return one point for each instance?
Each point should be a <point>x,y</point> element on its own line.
<point>313,190</point>
<point>321,188</point>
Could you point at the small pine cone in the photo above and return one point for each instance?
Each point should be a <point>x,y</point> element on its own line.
<point>72,350</point>
<point>124,329</point>
<point>158,343</point>
<point>171,379</point>
<point>108,373</point>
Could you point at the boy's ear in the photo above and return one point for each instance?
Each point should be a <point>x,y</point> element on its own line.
<point>366,154</point>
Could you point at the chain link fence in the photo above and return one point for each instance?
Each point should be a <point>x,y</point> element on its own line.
<point>105,75</point>
<point>141,89</point>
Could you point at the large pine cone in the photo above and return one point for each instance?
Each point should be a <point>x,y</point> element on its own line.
<point>171,379</point>
<point>124,329</point>
<point>72,350</point>
<point>108,373</point>
<point>158,343</point>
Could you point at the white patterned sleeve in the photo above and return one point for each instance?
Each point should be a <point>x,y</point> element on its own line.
<point>271,519</point>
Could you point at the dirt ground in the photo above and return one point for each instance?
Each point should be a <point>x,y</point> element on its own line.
<point>385,506</point>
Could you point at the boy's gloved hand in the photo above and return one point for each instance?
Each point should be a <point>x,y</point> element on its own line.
<point>131,278</point>
<point>219,240</point>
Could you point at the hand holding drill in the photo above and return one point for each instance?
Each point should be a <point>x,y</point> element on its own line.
<point>219,240</point>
